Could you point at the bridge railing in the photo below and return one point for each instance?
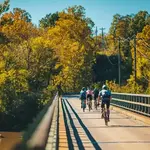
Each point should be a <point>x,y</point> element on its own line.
<point>138,103</point>
<point>37,134</point>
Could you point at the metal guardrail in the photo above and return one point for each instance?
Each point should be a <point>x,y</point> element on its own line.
<point>138,103</point>
<point>36,137</point>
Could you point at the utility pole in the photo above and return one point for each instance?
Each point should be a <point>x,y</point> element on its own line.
<point>102,35</point>
<point>135,64</point>
<point>119,66</point>
<point>96,31</point>
<point>102,31</point>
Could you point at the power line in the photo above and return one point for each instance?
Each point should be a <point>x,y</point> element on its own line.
<point>111,61</point>
<point>146,78</point>
<point>145,44</point>
<point>108,56</point>
<point>143,55</point>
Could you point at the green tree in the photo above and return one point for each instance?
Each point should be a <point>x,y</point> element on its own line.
<point>49,20</point>
<point>4,7</point>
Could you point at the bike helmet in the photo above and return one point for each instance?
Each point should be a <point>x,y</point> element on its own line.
<point>83,89</point>
<point>104,87</point>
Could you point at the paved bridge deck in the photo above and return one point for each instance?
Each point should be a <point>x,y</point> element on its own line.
<point>86,130</point>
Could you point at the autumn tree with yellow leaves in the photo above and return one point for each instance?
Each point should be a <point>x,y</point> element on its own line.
<point>72,42</point>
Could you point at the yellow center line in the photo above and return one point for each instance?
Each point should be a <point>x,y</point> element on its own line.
<point>63,141</point>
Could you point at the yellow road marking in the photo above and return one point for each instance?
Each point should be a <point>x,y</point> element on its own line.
<point>63,141</point>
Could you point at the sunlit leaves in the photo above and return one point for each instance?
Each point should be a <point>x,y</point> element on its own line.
<point>143,53</point>
<point>70,39</point>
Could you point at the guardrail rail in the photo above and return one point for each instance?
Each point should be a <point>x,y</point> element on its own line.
<point>39,133</point>
<point>138,103</point>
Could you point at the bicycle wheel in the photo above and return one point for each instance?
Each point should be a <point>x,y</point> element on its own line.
<point>106,119</point>
<point>96,104</point>
<point>83,105</point>
<point>83,109</point>
<point>105,115</point>
<point>89,104</point>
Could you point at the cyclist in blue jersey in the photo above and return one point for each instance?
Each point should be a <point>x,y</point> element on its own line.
<point>83,98</point>
<point>105,97</point>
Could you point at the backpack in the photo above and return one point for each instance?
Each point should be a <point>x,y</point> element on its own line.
<point>83,95</point>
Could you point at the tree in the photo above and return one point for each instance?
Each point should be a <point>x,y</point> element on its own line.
<point>4,7</point>
<point>16,25</point>
<point>138,22</point>
<point>71,41</point>
<point>143,55</point>
<point>49,20</point>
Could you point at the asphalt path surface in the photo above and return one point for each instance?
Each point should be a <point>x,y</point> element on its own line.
<point>86,130</point>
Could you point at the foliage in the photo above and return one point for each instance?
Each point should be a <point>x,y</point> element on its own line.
<point>63,54</point>
<point>71,41</point>
<point>4,7</point>
<point>126,28</point>
<point>27,66</point>
<point>49,20</point>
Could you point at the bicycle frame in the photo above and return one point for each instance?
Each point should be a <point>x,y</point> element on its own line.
<point>89,103</point>
<point>83,103</point>
<point>105,114</point>
<point>96,103</point>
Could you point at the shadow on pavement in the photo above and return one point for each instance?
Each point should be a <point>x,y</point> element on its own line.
<point>116,126</point>
<point>91,138</point>
<point>100,118</point>
<point>76,134</point>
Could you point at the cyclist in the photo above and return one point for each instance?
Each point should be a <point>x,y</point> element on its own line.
<point>96,92</point>
<point>83,96</point>
<point>105,96</point>
<point>89,95</point>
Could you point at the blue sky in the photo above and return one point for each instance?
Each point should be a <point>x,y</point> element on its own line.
<point>100,11</point>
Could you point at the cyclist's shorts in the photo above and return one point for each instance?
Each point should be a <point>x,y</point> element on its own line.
<point>83,99</point>
<point>107,102</point>
<point>95,97</point>
<point>89,96</point>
